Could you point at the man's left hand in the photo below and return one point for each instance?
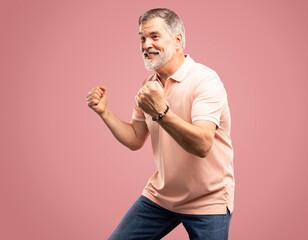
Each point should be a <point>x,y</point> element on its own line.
<point>150,98</point>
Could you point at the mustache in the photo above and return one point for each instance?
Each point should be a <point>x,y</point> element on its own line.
<point>146,53</point>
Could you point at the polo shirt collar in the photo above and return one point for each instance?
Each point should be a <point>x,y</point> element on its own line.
<point>181,73</point>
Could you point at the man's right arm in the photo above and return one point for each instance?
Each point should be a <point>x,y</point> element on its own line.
<point>132,135</point>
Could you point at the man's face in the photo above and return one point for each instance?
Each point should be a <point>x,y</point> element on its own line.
<point>156,43</point>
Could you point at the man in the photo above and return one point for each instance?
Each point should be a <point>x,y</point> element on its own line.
<point>184,107</point>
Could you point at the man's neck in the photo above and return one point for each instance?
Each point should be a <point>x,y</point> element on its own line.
<point>170,67</point>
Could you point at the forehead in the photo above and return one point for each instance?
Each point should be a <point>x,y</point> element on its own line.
<point>156,24</point>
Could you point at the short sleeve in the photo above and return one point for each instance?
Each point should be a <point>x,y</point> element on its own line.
<point>138,114</point>
<point>208,100</point>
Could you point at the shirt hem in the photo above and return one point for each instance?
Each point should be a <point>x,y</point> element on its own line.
<point>138,119</point>
<point>208,210</point>
<point>205,118</point>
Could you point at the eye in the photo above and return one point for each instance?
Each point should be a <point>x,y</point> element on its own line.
<point>142,39</point>
<point>155,36</point>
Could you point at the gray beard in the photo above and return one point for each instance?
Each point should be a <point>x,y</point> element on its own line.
<point>153,64</point>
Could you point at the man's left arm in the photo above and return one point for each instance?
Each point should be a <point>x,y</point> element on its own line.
<point>195,138</point>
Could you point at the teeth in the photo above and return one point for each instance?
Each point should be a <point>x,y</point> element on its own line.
<point>148,54</point>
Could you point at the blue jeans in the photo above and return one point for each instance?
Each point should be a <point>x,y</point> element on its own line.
<point>146,220</point>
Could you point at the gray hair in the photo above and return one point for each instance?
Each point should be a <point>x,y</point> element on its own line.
<point>173,23</point>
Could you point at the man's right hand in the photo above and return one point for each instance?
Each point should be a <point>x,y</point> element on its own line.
<point>97,99</point>
<point>131,135</point>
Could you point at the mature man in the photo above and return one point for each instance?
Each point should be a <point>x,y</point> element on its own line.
<point>184,107</point>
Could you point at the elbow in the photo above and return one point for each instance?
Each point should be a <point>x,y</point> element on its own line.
<point>135,147</point>
<point>202,153</point>
<point>204,149</point>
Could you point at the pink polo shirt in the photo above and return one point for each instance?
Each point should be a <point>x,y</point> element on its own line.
<point>185,183</point>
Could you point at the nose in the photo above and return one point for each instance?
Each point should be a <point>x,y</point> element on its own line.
<point>147,43</point>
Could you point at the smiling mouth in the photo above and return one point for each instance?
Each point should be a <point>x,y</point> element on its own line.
<point>150,54</point>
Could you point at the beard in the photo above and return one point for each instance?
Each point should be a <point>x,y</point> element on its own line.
<point>157,62</point>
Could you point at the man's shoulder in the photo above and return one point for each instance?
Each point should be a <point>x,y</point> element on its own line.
<point>202,70</point>
<point>203,75</point>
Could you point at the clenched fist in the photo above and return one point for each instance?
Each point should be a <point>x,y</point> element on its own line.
<point>151,99</point>
<point>97,99</point>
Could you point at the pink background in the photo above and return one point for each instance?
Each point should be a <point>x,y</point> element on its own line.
<point>63,175</point>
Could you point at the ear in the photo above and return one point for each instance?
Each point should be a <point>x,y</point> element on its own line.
<point>178,40</point>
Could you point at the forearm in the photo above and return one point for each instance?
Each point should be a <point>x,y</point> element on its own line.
<point>191,138</point>
<point>195,138</point>
<point>122,131</point>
